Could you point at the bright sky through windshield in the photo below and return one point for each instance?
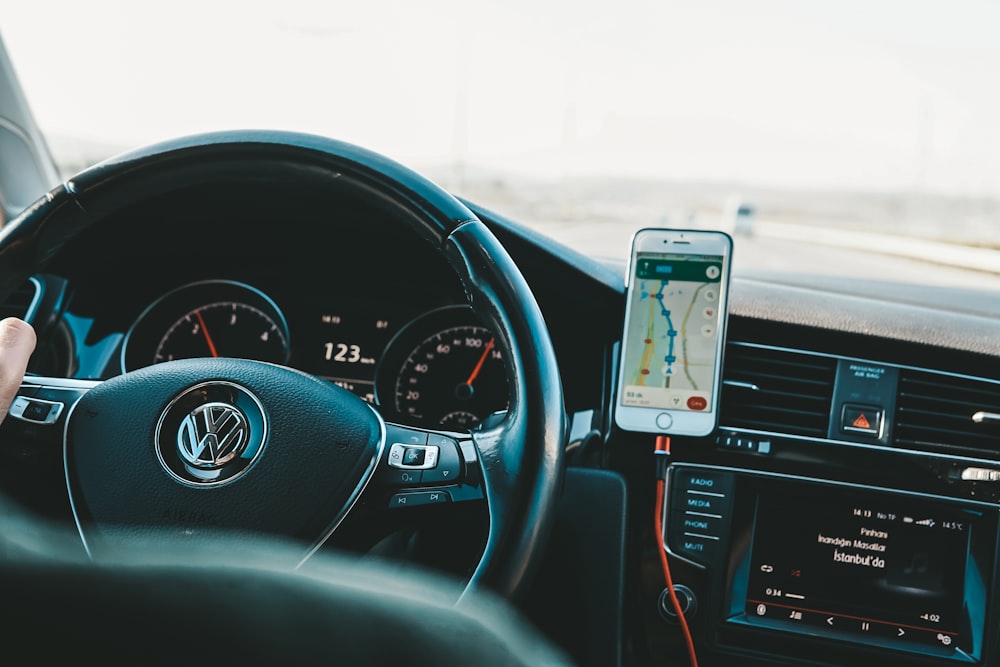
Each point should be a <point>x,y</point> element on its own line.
<point>861,94</point>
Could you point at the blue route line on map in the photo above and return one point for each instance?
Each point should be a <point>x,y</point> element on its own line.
<point>671,332</point>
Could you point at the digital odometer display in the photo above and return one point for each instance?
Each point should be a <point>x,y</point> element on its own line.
<point>345,345</point>
<point>865,566</point>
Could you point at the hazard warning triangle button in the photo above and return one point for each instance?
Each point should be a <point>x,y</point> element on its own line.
<point>862,419</point>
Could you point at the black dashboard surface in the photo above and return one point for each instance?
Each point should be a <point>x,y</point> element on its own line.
<point>341,272</point>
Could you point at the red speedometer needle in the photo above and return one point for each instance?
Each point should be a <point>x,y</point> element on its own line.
<point>479,366</point>
<point>204,330</point>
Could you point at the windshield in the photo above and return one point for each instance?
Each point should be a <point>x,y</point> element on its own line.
<point>847,124</point>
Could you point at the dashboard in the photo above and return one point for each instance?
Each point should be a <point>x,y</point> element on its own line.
<point>844,512</point>
<point>390,327</point>
<point>436,369</point>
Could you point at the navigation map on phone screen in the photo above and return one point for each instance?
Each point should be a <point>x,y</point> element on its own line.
<point>673,331</point>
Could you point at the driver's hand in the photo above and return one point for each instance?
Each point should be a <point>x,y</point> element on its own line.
<point>17,342</point>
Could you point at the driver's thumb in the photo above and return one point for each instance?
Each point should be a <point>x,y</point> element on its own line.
<point>17,342</point>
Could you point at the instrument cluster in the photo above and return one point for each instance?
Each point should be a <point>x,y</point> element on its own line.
<point>439,369</point>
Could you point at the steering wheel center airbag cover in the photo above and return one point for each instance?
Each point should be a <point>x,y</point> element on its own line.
<point>200,447</point>
<point>211,434</point>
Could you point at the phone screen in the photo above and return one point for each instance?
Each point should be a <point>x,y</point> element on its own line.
<point>672,333</point>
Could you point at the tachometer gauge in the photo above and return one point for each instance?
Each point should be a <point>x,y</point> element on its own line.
<point>208,319</point>
<point>443,370</point>
<point>224,329</point>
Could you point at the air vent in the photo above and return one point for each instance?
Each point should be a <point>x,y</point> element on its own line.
<point>17,302</point>
<point>934,412</point>
<point>779,391</point>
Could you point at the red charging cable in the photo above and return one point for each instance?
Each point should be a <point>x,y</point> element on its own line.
<point>663,450</point>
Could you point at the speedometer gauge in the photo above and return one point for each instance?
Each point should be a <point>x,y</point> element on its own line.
<point>443,371</point>
<point>215,318</point>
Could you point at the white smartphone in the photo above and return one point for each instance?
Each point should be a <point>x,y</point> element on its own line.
<point>670,367</point>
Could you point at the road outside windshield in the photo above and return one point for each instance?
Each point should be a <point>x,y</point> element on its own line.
<point>856,138</point>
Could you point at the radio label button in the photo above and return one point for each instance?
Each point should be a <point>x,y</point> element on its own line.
<point>700,505</point>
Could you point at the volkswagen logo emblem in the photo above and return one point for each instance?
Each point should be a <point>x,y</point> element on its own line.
<point>211,434</point>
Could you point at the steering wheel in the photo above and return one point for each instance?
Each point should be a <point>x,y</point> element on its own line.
<point>195,449</point>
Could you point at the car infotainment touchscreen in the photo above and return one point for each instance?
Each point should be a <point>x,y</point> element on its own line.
<point>870,567</point>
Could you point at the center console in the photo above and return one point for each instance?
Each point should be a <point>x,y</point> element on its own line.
<point>831,571</point>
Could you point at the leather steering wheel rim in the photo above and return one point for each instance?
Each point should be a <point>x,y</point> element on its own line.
<point>520,457</point>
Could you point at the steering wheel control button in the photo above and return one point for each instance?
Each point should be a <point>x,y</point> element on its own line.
<point>449,466</point>
<point>28,390</point>
<point>211,434</point>
<point>18,406</point>
<point>397,477</point>
<point>863,419</point>
<point>417,498</point>
<point>413,457</point>
<point>404,436</point>
<point>664,421</point>
<point>35,410</point>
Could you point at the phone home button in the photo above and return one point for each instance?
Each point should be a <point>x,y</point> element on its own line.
<point>664,421</point>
